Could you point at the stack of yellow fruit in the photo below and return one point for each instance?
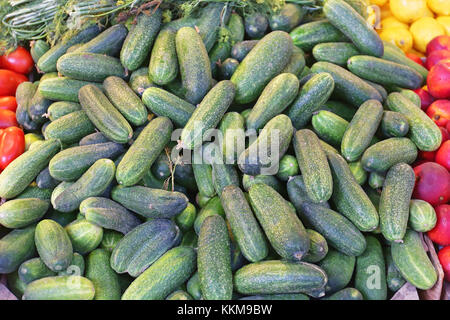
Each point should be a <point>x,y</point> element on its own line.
<point>411,24</point>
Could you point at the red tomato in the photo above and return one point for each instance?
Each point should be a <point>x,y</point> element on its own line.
<point>414,57</point>
<point>8,103</point>
<point>440,234</point>
<point>9,80</point>
<point>425,98</point>
<point>7,119</point>
<point>443,155</point>
<point>438,80</point>
<point>432,183</point>
<point>12,145</point>
<point>435,57</point>
<point>19,60</point>
<point>438,43</point>
<point>439,112</point>
<point>444,259</point>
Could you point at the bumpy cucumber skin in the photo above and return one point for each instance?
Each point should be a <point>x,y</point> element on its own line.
<point>287,18</point>
<point>355,27</point>
<point>394,124</point>
<point>22,171</point>
<point>243,223</point>
<point>103,277</point>
<point>358,172</point>
<point>266,60</point>
<point>169,272</point>
<point>339,268</point>
<point>34,269</point>
<point>35,192</point>
<point>281,296</point>
<point>108,42</point>
<point>297,62</point>
<point>163,67</point>
<point>16,247</point>
<point>61,108</point>
<point>284,230</point>
<point>307,35</point>
<point>329,126</point>
<point>296,190</point>
<point>335,52</point>
<point>384,154</point>
<point>77,266</point>
<point>272,277</point>
<point>62,88</point>
<point>422,217</point>
<point>370,277</point>
<point>139,81</point>
<point>422,130</point>
<point>104,115</point>
<point>314,166</point>
<point>45,180</point>
<point>209,21</point>
<point>318,248</point>
<point>140,39</point>
<point>85,236</point>
<point>38,107</point>
<point>19,213</point>
<point>212,207</point>
<point>60,288</point>
<point>346,294</point>
<point>339,108</point>
<point>38,48</point>
<point>412,261</point>
<point>70,128</point>
<point>232,125</point>
<point>203,178</point>
<point>241,48</point>
<point>392,53</point>
<point>276,96</point>
<point>394,202</point>
<point>224,175</point>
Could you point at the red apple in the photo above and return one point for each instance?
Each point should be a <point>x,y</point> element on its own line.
<point>440,234</point>
<point>425,98</point>
<point>435,57</point>
<point>439,112</point>
<point>432,183</point>
<point>444,260</point>
<point>427,155</point>
<point>445,134</point>
<point>443,155</point>
<point>438,43</point>
<point>438,80</point>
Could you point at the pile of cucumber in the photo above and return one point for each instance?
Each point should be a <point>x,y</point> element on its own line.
<point>99,209</point>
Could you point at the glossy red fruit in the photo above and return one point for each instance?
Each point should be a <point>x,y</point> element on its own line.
<point>438,43</point>
<point>8,119</point>
<point>444,260</point>
<point>445,134</point>
<point>427,155</point>
<point>440,234</point>
<point>12,145</point>
<point>435,57</point>
<point>438,80</point>
<point>443,155</point>
<point>9,80</point>
<point>425,98</point>
<point>432,183</point>
<point>8,103</point>
<point>414,57</point>
<point>439,112</point>
<point>19,60</point>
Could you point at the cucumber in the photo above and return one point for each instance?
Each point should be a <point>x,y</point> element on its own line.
<point>53,245</point>
<point>185,220</point>
<point>251,160</point>
<point>288,167</point>
<point>208,113</point>
<point>394,202</point>
<point>60,288</point>
<point>85,236</point>
<point>370,275</point>
<point>394,124</point>
<point>16,247</point>
<point>329,127</point>
<point>227,68</point>
<point>45,181</point>
<point>108,42</point>
<point>210,18</point>
<point>193,287</point>
<point>381,90</point>
<point>335,52</point>
<point>220,52</point>
<point>391,53</point>
<point>358,172</point>
<point>76,267</point>
<point>297,62</point>
<point>144,151</point>
<point>412,261</point>
<point>104,115</point>
<point>62,88</point>
<point>376,180</point>
<point>108,214</point>
<point>139,81</point>
<point>34,269</point>
<point>169,272</point>
<point>272,181</point>
<point>232,127</point>
<point>313,164</point>
<point>47,62</point>
<point>103,277</point>
<point>163,67</point>
<point>166,104</point>
<point>92,183</point>
<point>179,295</point>
<point>35,192</point>
<point>214,265</point>
<point>241,48</point>
<point>195,68</point>
<point>276,96</point>
<point>38,48</point>
<point>223,175</point>
<point>308,35</point>
<point>15,285</point>
<point>24,92</point>
<point>70,128</point>
<point>384,154</point>
<point>244,226</point>
<point>348,86</point>
<point>22,170</point>
<point>376,69</point>
<point>71,163</point>
<point>60,217</point>
<point>422,217</point>
<point>290,16</point>
<point>346,294</point>
<point>411,95</point>
<point>38,107</point>
<point>125,100</point>
<point>361,130</point>
<point>58,189</point>
<point>273,277</point>
<point>266,60</point>
<point>141,247</point>
<point>284,230</point>
<point>110,240</point>
<point>339,268</point>
<point>354,26</point>
<point>256,25</point>
<point>236,28</point>
<point>19,213</point>
<point>393,277</point>
<point>297,192</point>
<point>61,108</point>
<point>422,130</point>
<point>150,203</point>
<point>339,108</point>
<point>318,248</point>
<point>140,39</point>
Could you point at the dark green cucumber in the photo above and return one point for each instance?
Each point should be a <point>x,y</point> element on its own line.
<point>16,247</point>
<point>212,207</point>
<point>169,272</point>
<point>240,49</point>
<point>15,285</point>
<point>361,130</point>
<point>339,268</point>
<point>108,42</point>
<point>307,35</point>
<point>297,62</point>
<point>422,216</point>
<point>60,288</point>
<point>24,92</point>
<point>296,190</point>
<point>232,127</point>
<point>38,48</point>
<point>84,235</point>
<point>34,269</point>
<point>256,25</point>
<point>224,175</point>
<point>335,52</point>
<point>288,167</point>
<point>236,28</point>
<point>85,66</point>
<point>193,287</point>
<point>329,126</point>
<point>354,26</point>
<point>140,39</point>
<point>394,124</point>
<point>272,181</point>
<point>393,277</point>
<point>209,20</point>
<point>70,128</point>
<point>220,52</point>
<point>287,18</point>
<point>314,166</point>
<point>93,138</point>
<point>166,104</point>
<point>422,130</point>
<point>398,56</point>
<point>412,261</point>
<point>19,213</point>
<point>150,203</point>
<point>163,67</point>
<point>339,108</point>
<point>103,277</point>
<point>58,189</point>
<point>272,277</point>
<point>284,230</point>
<point>62,88</point>
<point>318,248</point>
<point>35,192</point>
<point>276,96</point>
<point>376,180</point>
<point>104,115</point>
<point>394,202</point>
<point>76,268</point>
<point>61,108</point>
<point>348,86</point>
<point>346,294</point>
<point>22,171</point>
<point>139,81</point>
<point>381,90</point>
<point>38,106</point>
<point>144,151</point>
<point>185,220</point>
<point>386,153</point>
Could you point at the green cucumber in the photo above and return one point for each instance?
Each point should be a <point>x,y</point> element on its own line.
<point>108,42</point>
<point>232,127</point>
<point>296,190</point>
<point>16,247</point>
<point>288,167</point>
<point>224,175</point>
<point>227,68</point>
<point>339,108</point>
<point>339,268</point>
<point>60,288</point>
<point>193,287</point>
<point>308,35</point>
<point>381,90</point>
<point>15,285</point>
<point>297,62</point>
<point>35,192</point>
<point>103,277</point>
<point>241,48</point>
<point>208,23</point>
<point>163,67</point>
<point>38,106</point>
<point>272,181</point>
<point>346,294</point>
<point>62,88</point>
<point>256,25</point>
<point>394,124</point>
<point>335,52</point>
<point>58,190</point>
<point>236,28</point>
<point>34,269</point>
<point>85,236</point>
<point>24,93</point>
<point>19,213</point>
<point>393,277</point>
<point>185,220</point>
<point>179,295</point>
<point>358,172</point>
<point>391,53</point>
<point>70,128</point>
<point>318,248</point>
<point>220,52</point>
<point>61,108</point>
<point>394,202</point>
<point>290,16</point>
<point>411,95</point>
<point>376,180</point>
<point>329,126</point>
<point>139,81</point>
<point>110,239</point>
<point>76,267</point>
<point>422,217</point>
<point>38,48</point>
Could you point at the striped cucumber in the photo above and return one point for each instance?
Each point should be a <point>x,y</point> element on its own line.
<point>139,81</point>
<point>394,124</point>
<point>203,178</point>
<point>297,62</point>
<point>61,108</point>
<point>318,248</point>
<point>85,236</point>
<point>34,269</point>
<point>224,175</point>
<point>422,216</point>
<point>62,88</point>
<point>19,213</point>
<point>60,288</point>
